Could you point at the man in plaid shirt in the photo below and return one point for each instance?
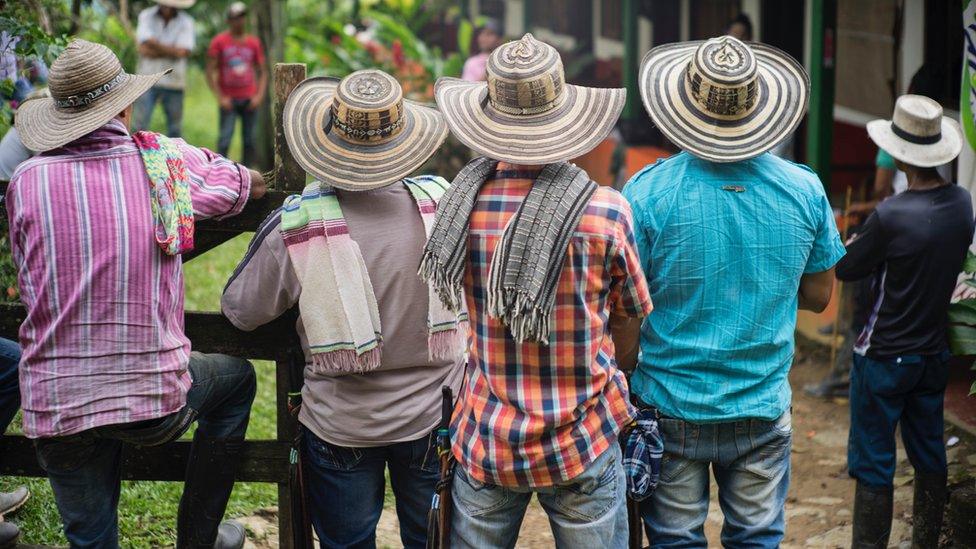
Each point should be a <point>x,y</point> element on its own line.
<point>546,396</point>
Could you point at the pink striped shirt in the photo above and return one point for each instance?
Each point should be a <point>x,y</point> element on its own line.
<point>103,341</point>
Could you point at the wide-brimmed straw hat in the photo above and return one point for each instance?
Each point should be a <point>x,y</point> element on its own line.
<point>917,133</point>
<point>526,113</point>
<point>178,4</point>
<point>359,133</point>
<point>722,99</point>
<point>88,88</point>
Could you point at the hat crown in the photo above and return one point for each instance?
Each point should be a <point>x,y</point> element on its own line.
<point>82,73</point>
<point>918,115</point>
<point>525,77</point>
<point>368,107</point>
<point>722,77</point>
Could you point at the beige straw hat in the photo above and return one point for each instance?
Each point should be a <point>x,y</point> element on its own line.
<point>526,113</point>
<point>722,99</point>
<point>917,133</point>
<point>178,4</point>
<point>359,133</point>
<point>88,88</point>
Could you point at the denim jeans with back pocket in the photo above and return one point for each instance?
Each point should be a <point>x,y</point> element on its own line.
<point>345,488</point>
<point>588,512</point>
<point>751,463</point>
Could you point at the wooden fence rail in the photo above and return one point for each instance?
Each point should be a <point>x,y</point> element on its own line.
<point>263,460</point>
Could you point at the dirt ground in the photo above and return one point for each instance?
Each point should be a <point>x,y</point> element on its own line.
<point>818,509</point>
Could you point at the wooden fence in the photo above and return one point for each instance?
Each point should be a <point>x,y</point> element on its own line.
<point>263,460</point>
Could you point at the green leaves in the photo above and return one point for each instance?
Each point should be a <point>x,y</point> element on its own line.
<point>962,324</point>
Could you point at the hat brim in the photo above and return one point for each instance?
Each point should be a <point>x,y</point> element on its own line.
<point>178,4</point>
<point>923,156</point>
<point>42,126</point>
<point>784,91</point>
<point>352,166</point>
<point>576,125</point>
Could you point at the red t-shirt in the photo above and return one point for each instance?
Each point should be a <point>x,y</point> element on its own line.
<point>236,59</point>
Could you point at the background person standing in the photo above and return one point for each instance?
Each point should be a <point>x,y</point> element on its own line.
<point>237,75</point>
<point>166,37</point>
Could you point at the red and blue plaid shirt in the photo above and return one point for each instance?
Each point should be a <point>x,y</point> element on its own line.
<point>536,415</point>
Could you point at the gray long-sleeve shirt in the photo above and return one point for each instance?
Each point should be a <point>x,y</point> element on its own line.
<point>399,401</point>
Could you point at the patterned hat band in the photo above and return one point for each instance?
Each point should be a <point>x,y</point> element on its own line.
<point>527,97</point>
<point>365,127</point>
<point>734,101</point>
<point>87,98</point>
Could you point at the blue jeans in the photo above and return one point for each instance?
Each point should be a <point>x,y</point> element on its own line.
<point>172,101</point>
<point>908,390</point>
<point>85,468</point>
<point>240,108</point>
<point>345,486</point>
<point>588,512</point>
<point>9,383</point>
<point>751,463</point>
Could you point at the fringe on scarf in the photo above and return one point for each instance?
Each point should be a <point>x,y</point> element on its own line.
<point>347,361</point>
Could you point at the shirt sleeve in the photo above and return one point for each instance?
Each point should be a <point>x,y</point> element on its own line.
<point>187,38</point>
<point>884,160</point>
<point>868,250</point>
<point>828,247</point>
<point>213,50</point>
<point>264,285</point>
<point>143,32</point>
<point>630,295</point>
<point>218,187</point>
<point>258,52</point>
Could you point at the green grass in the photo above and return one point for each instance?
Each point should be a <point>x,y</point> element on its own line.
<point>147,510</point>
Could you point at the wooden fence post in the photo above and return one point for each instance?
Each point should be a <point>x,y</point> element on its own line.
<point>290,177</point>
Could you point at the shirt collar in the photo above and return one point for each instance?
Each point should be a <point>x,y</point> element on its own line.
<point>110,135</point>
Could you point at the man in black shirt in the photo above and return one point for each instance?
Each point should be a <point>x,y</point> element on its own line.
<point>913,246</point>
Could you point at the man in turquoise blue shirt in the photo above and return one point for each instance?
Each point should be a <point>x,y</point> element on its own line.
<point>732,240</point>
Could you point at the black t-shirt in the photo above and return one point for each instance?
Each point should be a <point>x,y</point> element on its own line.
<point>914,244</point>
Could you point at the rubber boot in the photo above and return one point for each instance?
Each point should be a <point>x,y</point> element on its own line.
<point>928,507</point>
<point>210,477</point>
<point>872,516</point>
<point>8,534</point>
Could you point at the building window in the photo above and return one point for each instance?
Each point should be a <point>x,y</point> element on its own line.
<point>492,8</point>
<point>709,18</point>
<point>611,19</point>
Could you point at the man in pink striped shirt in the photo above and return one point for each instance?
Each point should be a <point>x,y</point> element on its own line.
<point>105,359</point>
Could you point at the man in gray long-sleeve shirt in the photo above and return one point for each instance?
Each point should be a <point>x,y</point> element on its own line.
<point>378,343</point>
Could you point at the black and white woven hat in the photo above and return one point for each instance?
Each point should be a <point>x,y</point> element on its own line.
<point>359,133</point>
<point>722,99</point>
<point>526,113</point>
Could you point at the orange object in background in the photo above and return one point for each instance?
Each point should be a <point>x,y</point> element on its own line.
<point>597,162</point>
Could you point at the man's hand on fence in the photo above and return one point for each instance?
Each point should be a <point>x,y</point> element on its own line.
<point>258,185</point>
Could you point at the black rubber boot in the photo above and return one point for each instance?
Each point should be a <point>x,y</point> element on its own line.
<point>928,508</point>
<point>8,534</point>
<point>872,516</point>
<point>209,481</point>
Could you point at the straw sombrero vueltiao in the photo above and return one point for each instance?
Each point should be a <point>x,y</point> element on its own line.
<point>359,133</point>
<point>917,133</point>
<point>722,99</point>
<point>526,113</point>
<point>178,4</point>
<point>88,88</point>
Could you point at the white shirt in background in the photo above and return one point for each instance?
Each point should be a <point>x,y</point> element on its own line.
<point>179,32</point>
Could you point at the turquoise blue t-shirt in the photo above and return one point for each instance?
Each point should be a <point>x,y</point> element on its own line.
<point>723,247</point>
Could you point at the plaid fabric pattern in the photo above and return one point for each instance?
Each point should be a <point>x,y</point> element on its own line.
<point>533,414</point>
<point>642,455</point>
